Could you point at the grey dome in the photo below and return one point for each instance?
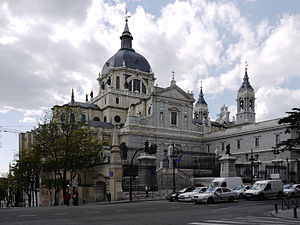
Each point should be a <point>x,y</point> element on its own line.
<point>127,55</point>
<point>131,58</point>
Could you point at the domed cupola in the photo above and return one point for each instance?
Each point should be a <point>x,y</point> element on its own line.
<point>126,56</point>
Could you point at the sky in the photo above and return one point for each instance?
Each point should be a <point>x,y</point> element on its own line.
<point>49,47</point>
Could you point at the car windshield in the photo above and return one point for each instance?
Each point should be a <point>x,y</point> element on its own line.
<point>238,188</point>
<point>215,184</point>
<point>288,186</point>
<point>182,190</point>
<point>209,190</point>
<point>258,186</point>
<point>198,189</point>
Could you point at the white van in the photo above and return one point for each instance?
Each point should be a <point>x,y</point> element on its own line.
<point>230,182</point>
<point>265,189</point>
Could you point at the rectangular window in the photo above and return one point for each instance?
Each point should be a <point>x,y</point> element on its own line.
<point>223,146</point>
<point>238,144</point>
<point>208,148</point>
<point>174,118</point>
<point>256,142</point>
<point>277,139</point>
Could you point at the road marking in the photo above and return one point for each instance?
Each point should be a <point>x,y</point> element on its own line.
<point>122,210</point>
<point>27,215</point>
<point>58,214</point>
<point>92,212</point>
<point>197,223</point>
<point>225,221</point>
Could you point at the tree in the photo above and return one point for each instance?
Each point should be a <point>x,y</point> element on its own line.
<point>3,187</point>
<point>293,119</point>
<point>67,145</point>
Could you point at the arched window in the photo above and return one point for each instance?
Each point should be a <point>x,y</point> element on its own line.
<point>83,118</point>
<point>72,117</point>
<point>117,100</point>
<point>241,103</point>
<point>118,82</point>
<point>149,111</point>
<point>105,119</point>
<point>62,117</point>
<point>96,119</point>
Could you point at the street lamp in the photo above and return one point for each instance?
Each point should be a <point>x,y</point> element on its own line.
<point>252,160</point>
<point>276,151</point>
<point>175,156</point>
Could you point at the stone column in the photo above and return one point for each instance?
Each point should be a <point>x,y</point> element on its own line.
<point>115,169</point>
<point>147,171</point>
<point>227,166</point>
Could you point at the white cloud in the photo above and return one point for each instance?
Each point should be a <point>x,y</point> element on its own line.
<point>28,120</point>
<point>47,48</point>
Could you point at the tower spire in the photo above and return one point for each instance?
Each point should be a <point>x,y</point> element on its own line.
<point>72,96</point>
<point>126,38</point>
<point>173,82</point>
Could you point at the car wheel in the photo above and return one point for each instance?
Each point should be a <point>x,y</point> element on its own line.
<point>210,200</point>
<point>231,199</point>
<point>279,196</point>
<point>241,195</point>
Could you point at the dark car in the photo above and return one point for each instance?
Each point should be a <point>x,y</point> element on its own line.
<point>174,196</point>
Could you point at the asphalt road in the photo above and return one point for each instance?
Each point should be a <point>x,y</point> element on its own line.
<point>147,213</point>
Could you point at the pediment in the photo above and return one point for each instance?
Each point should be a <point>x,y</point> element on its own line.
<point>175,92</point>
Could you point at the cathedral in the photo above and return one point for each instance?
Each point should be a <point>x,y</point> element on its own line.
<point>129,111</point>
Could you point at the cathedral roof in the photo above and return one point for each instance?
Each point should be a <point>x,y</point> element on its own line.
<point>246,84</point>
<point>126,56</point>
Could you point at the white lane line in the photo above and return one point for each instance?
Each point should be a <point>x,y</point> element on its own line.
<point>122,210</point>
<point>226,221</point>
<point>198,223</point>
<point>27,215</point>
<point>92,212</point>
<point>58,214</point>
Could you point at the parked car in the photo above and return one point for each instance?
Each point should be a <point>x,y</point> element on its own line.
<point>215,194</point>
<point>230,182</point>
<point>240,190</point>
<point>265,189</point>
<point>187,197</point>
<point>291,190</point>
<point>174,196</point>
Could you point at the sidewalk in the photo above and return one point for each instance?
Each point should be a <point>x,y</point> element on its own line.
<point>287,214</point>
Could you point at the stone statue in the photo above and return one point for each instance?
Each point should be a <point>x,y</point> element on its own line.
<point>228,150</point>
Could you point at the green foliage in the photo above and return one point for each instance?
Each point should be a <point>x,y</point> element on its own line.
<point>66,144</point>
<point>3,187</point>
<point>293,120</point>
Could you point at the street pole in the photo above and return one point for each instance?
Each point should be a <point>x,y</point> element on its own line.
<point>173,161</point>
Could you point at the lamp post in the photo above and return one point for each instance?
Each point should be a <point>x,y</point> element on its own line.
<point>252,159</point>
<point>276,151</point>
<point>175,156</point>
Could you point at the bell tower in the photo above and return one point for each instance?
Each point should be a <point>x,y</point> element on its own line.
<point>245,101</point>
<point>201,108</point>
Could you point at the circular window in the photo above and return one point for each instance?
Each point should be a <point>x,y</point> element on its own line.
<point>117,119</point>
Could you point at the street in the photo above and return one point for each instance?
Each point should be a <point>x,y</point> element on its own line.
<point>147,213</point>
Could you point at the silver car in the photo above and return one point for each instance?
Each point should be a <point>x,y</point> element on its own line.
<point>215,194</point>
<point>291,190</point>
<point>187,197</point>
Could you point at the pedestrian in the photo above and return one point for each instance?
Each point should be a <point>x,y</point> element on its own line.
<point>68,197</point>
<point>147,191</point>
<point>75,199</point>
<point>108,196</point>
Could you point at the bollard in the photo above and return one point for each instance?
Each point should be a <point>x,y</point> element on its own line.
<point>295,212</point>
<point>276,208</point>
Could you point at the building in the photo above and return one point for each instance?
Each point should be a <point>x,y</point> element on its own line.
<point>129,110</point>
